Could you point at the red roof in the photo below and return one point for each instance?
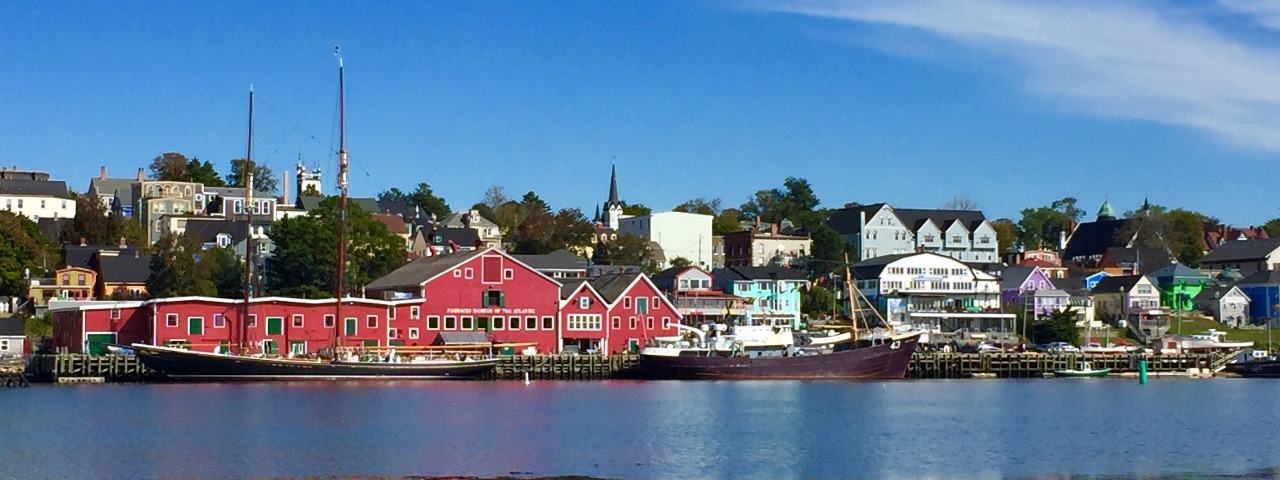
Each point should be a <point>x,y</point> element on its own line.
<point>1035,262</point>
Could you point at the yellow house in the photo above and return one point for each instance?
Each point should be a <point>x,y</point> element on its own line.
<point>70,283</point>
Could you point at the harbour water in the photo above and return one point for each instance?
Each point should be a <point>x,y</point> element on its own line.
<point>895,429</point>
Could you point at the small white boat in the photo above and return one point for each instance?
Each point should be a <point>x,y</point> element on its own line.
<point>1208,340</point>
<point>1109,349</point>
<point>1084,371</point>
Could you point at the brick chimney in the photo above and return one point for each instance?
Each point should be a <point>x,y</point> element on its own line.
<point>773,229</point>
<point>284,197</point>
<point>140,177</point>
<point>102,171</point>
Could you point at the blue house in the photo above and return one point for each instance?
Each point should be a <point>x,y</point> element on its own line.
<point>1263,290</point>
<point>772,293</point>
<point>1092,280</point>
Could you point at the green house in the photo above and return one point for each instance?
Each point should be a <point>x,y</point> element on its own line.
<point>1179,286</point>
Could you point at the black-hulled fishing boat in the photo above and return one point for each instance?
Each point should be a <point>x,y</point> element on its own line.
<point>182,364</point>
<point>761,352</point>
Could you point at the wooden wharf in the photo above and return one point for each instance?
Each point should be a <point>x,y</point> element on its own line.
<point>79,368</point>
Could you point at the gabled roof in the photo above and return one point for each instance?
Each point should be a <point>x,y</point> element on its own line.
<point>418,272</point>
<point>613,285</point>
<point>82,255</point>
<point>1035,262</point>
<point>762,273</point>
<point>367,205</point>
<point>394,223</point>
<point>1115,284</point>
<point>1148,259</point>
<point>915,217</point>
<point>1265,277</point>
<point>463,237</point>
<point>208,230</point>
<point>558,260</point>
<point>1177,270</point>
<point>1242,250</point>
<point>35,188</point>
<point>124,268</point>
<point>1213,293</point>
<point>1011,278</point>
<point>845,221</point>
<point>872,267</point>
<point>673,272</point>
<point>52,227</point>
<point>120,188</point>
<point>1093,238</point>
<point>12,327</point>
<point>461,219</point>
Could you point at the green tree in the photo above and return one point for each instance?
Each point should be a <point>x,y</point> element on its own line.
<point>227,271</point>
<point>628,249</point>
<point>264,180</point>
<point>1041,227</point>
<point>542,232</point>
<point>727,221</point>
<point>95,226</point>
<point>24,252</point>
<point>176,269</point>
<point>1059,326</point>
<point>680,262</point>
<point>169,166</point>
<point>37,327</point>
<point>1184,236</point>
<point>795,196</point>
<point>305,261</point>
<point>1006,234</point>
<point>202,173</point>
<point>818,301</point>
<point>1272,227</point>
<point>636,210</point>
<point>699,205</point>
<point>422,197</point>
<point>828,251</point>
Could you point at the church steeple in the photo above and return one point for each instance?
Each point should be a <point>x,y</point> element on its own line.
<point>613,207</point>
<point>613,187</point>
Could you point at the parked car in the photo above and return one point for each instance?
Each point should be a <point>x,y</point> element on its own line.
<point>1060,348</point>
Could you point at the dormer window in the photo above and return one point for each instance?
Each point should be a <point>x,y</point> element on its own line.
<point>584,302</point>
<point>224,240</point>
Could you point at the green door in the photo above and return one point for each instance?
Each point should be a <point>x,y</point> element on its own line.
<point>275,325</point>
<point>633,345</point>
<point>195,326</point>
<point>297,348</point>
<point>350,327</point>
<point>223,347</point>
<point>396,343</point>
<point>370,343</point>
<point>98,342</point>
<point>269,347</point>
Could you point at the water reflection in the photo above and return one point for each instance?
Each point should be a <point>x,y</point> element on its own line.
<point>946,429</point>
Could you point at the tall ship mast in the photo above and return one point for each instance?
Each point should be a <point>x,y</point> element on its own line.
<point>342,200</point>
<point>244,348</point>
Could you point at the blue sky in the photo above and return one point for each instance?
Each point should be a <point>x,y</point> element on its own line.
<point>1010,103</point>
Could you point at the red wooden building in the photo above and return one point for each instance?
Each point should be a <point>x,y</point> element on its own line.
<point>483,291</point>
<point>91,326</point>
<point>480,290</point>
<point>615,313</point>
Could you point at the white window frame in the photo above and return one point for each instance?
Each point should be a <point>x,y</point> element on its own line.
<point>296,320</point>
<point>415,312</point>
<point>171,320</point>
<point>219,321</point>
<point>413,333</point>
<point>584,302</point>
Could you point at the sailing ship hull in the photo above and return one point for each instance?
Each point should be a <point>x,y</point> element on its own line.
<point>186,365</point>
<point>1256,369</point>
<point>883,361</point>
<point>1082,373</point>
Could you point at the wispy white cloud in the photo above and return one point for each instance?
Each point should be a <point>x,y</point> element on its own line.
<point>1104,58</point>
<point>1265,12</point>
